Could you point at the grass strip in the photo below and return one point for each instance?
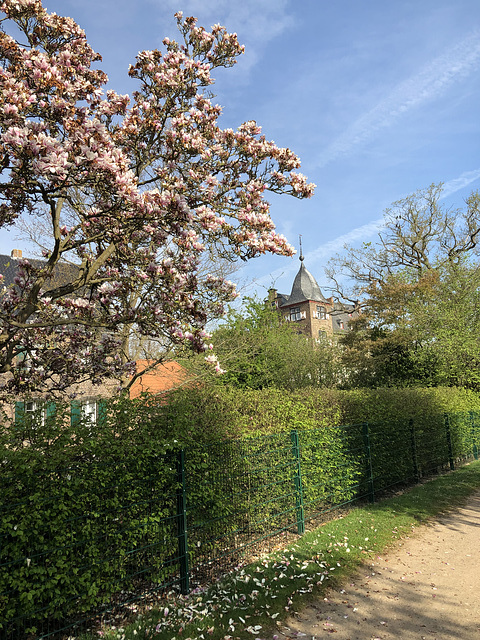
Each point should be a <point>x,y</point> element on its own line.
<point>252,601</point>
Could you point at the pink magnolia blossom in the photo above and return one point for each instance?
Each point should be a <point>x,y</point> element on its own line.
<point>137,189</point>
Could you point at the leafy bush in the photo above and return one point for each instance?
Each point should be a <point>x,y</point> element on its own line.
<point>86,512</point>
<point>90,512</point>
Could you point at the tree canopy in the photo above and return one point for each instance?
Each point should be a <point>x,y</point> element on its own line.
<point>420,291</point>
<point>134,192</point>
<point>257,349</point>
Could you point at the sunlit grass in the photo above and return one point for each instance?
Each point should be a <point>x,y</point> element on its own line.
<point>250,603</point>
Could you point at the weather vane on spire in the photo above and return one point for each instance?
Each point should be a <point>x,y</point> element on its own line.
<point>301,254</point>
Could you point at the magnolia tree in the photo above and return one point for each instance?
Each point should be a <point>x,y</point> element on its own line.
<point>134,190</point>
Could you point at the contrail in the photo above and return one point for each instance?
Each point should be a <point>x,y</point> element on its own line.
<point>433,80</point>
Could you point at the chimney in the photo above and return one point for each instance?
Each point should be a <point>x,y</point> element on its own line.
<point>16,253</point>
<point>272,295</point>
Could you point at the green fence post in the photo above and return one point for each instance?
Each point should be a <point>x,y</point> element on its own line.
<point>298,482</point>
<point>448,433</point>
<point>413,442</point>
<point>182,524</point>
<point>474,435</point>
<point>368,453</point>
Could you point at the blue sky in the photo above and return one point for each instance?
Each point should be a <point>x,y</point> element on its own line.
<point>378,98</point>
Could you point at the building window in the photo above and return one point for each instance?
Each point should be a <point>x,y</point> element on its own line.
<point>322,335</point>
<point>89,411</point>
<point>33,412</point>
<point>341,325</point>
<point>321,312</point>
<point>295,314</point>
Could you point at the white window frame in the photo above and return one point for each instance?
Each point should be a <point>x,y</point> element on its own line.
<point>36,409</point>
<point>89,410</point>
<point>295,314</point>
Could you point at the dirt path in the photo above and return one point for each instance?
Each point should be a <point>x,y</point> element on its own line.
<point>425,589</point>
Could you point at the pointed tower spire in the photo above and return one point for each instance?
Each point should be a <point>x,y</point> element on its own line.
<point>305,286</point>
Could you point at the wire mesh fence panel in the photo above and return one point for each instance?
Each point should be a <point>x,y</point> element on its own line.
<point>393,454</point>
<point>432,444</point>
<point>464,434</point>
<point>85,539</point>
<point>239,493</point>
<point>333,467</point>
<point>474,419</point>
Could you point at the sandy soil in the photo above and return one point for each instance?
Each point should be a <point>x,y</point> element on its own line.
<point>427,588</point>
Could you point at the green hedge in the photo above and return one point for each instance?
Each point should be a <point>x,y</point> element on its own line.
<point>87,513</point>
<point>406,431</point>
<point>216,413</point>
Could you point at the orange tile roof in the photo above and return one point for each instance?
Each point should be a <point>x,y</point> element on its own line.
<point>163,377</point>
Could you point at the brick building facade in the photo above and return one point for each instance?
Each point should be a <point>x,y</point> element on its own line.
<point>306,306</point>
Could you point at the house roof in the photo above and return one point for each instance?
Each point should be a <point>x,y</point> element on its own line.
<point>163,377</point>
<point>304,288</point>
<point>63,271</point>
<point>9,267</point>
<point>341,316</point>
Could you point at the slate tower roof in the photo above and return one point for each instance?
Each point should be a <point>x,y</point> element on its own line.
<point>305,287</point>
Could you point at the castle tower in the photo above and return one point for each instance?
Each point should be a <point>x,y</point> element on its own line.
<point>306,306</point>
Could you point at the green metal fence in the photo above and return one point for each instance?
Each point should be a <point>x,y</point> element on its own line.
<point>193,514</point>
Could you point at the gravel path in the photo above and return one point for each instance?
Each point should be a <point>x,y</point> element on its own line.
<point>427,588</point>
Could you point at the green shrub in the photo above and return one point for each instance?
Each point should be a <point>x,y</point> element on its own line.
<point>86,512</point>
<point>89,512</point>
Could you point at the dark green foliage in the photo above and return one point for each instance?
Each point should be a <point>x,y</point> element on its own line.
<point>86,512</point>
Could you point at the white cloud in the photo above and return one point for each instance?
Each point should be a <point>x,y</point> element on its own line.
<point>323,253</point>
<point>462,181</point>
<point>361,234</point>
<point>432,81</point>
